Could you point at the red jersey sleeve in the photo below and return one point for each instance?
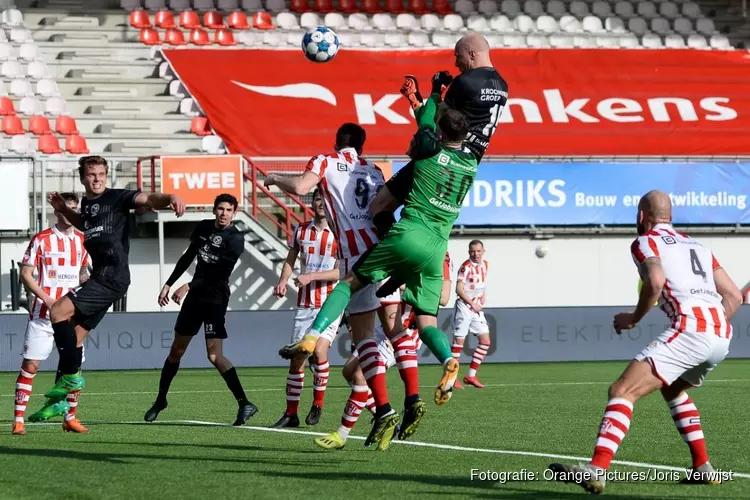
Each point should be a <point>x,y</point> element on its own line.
<point>33,252</point>
<point>644,247</point>
<point>318,165</point>
<point>463,272</point>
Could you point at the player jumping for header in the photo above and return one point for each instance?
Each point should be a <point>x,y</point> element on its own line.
<point>700,298</point>
<point>104,220</point>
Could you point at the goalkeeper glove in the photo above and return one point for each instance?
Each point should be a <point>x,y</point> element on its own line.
<point>410,90</point>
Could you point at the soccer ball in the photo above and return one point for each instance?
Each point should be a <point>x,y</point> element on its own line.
<point>320,44</point>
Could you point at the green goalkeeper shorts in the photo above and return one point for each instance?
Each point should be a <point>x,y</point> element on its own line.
<point>413,255</point>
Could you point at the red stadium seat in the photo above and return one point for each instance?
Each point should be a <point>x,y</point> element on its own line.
<point>262,21</point>
<point>199,126</point>
<point>348,6</point>
<point>49,144</point>
<point>174,37</point>
<point>39,125</point>
<point>164,19</point>
<point>300,6</point>
<point>199,36</point>
<point>224,37</point>
<point>149,36</point>
<point>371,6</point>
<point>66,125</point>
<point>324,6</point>
<point>6,107</point>
<point>139,19</point>
<point>76,144</point>
<point>213,20</point>
<point>395,6</point>
<point>238,20</point>
<point>12,125</point>
<point>418,7</point>
<point>442,7</point>
<point>189,19</point>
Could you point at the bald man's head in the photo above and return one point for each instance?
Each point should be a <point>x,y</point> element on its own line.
<point>472,51</point>
<point>655,207</point>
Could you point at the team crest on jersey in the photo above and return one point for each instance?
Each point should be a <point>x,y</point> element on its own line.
<point>94,209</point>
<point>341,167</point>
<point>443,159</point>
<point>216,241</point>
<point>52,273</point>
<point>668,240</point>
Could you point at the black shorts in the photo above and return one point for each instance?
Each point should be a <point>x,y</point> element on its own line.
<point>196,313</point>
<point>91,300</point>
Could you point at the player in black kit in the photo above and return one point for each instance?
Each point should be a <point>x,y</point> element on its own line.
<point>218,245</point>
<point>104,220</point>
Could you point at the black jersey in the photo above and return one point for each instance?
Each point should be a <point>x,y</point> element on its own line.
<point>106,227</point>
<point>218,252</point>
<point>481,94</point>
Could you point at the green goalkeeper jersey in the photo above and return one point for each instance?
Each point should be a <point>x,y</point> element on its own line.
<point>442,176</point>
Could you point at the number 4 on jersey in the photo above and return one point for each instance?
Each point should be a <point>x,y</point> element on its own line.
<point>695,264</point>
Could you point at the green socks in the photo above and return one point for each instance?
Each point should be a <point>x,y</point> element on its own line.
<point>333,307</point>
<point>436,342</point>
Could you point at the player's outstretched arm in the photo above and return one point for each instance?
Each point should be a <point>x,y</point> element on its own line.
<point>59,204</point>
<point>160,201</point>
<point>299,185</point>
<point>731,296</point>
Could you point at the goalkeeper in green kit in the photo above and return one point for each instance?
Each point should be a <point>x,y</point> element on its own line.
<point>415,247</point>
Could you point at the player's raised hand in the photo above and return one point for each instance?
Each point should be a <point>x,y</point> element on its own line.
<point>57,201</point>
<point>279,291</point>
<point>177,204</point>
<point>440,81</point>
<point>164,296</point>
<point>180,293</point>
<point>302,280</point>
<point>623,321</point>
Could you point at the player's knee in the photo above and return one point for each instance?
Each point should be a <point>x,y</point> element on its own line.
<point>619,389</point>
<point>214,358</point>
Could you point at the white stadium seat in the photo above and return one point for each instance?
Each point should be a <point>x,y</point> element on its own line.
<point>384,22</point>
<point>592,24</point>
<point>584,41</point>
<point>697,42</point>
<point>212,144</point>
<point>188,107</point>
<point>533,8</point>
<point>638,26</point>
<point>30,106</point>
<point>614,25</point>
<point>570,24</point>
<point>705,26</point>
<point>7,52</point>
<point>21,144</point>
<point>660,26</point>
<point>579,9</point>
<point>273,38</point>
<point>49,88</point>
<point>674,42</point>
<point>651,41</point>
<point>669,10</point>
<point>21,88</point>
<point>477,23</point>
<point>346,38</point>
<point>358,22</point>
<point>629,41</point>
<point>561,41</point>
<point>683,26</point>
<point>453,22</point>
<point>28,51</point>
<point>3,90</point>
<point>624,9</point>
<point>601,9</point>
<point>430,22</point>
<point>12,18</point>
<point>418,39</point>
<point>395,39</point>
<point>487,7</point>
<point>510,8</point>
<point>287,21</point>
<point>495,41</point>
<point>443,39</point>
<point>537,41</point>
<point>515,41</point>
<point>556,8</point>
<point>250,38</point>
<point>37,70</point>
<point>20,35</point>
<point>501,23</point>
<point>647,10</point>
<point>547,24</point>
<point>464,7</point>
<point>309,20</point>
<point>608,41</point>
<point>524,24</point>
<point>177,89</point>
<point>55,106</point>
<point>720,42</point>
<point>11,69</point>
<point>406,22</point>
<point>334,20</point>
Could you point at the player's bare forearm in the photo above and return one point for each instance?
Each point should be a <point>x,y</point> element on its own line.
<point>731,296</point>
<point>332,275</point>
<point>653,283</point>
<point>74,217</point>
<point>384,201</point>
<point>27,278</point>
<point>461,293</point>
<point>299,185</point>
<point>288,267</point>
<point>157,201</point>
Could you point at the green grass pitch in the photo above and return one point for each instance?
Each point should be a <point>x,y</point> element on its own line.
<point>526,413</point>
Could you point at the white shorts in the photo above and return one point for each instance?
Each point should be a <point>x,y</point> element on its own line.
<point>689,356</point>
<point>303,320</point>
<point>39,340</point>
<point>466,321</point>
<point>366,300</point>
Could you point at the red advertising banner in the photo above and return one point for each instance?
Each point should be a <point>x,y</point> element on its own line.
<point>562,102</point>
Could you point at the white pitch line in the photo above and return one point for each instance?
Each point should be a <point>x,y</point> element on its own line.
<point>268,389</point>
<point>462,448</point>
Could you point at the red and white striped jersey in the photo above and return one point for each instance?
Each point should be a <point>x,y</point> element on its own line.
<point>317,253</point>
<point>58,258</point>
<point>474,277</point>
<point>407,313</point>
<point>689,297</point>
<point>348,184</point>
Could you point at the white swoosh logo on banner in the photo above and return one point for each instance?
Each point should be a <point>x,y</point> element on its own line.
<point>297,90</point>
